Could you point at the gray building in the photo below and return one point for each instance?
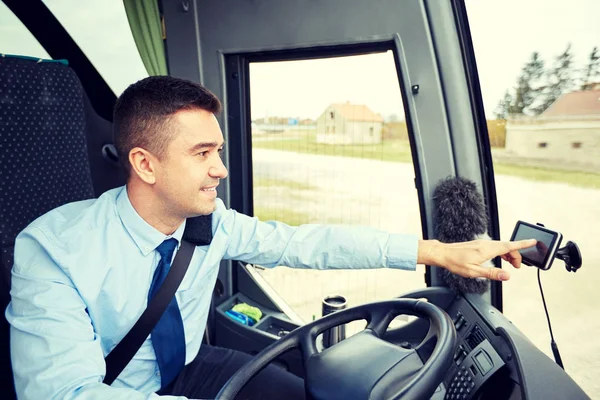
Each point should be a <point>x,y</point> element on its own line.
<point>347,123</point>
<point>569,130</point>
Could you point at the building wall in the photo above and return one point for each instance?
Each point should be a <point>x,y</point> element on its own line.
<point>330,130</point>
<point>337,130</point>
<point>364,132</point>
<point>566,139</point>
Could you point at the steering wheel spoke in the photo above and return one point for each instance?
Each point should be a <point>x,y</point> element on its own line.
<point>308,344</point>
<point>379,321</point>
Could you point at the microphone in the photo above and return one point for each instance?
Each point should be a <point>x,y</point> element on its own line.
<point>460,216</point>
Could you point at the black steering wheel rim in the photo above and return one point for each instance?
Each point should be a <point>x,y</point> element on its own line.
<point>378,316</point>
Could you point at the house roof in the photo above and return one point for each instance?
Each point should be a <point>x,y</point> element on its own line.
<point>575,103</point>
<point>357,112</point>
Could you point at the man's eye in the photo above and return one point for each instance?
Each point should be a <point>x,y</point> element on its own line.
<point>203,153</point>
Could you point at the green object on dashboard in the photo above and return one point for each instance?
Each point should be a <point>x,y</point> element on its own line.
<point>247,309</point>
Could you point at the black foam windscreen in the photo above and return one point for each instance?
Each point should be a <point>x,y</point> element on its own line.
<point>460,216</point>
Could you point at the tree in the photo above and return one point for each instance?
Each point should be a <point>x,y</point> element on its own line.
<point>527,91</point>
<point>592,69</point>
<point>504,106</point>
<point>529,84</point>
<point>537,88</point>
<point>560,80</point>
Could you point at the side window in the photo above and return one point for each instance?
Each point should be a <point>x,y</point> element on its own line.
<point>330,145</point>
<point>15,38</point>
<point>101,30</point>
<point>541,90</point>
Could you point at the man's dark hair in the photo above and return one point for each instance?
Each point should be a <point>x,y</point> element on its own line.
<point>142,113</point>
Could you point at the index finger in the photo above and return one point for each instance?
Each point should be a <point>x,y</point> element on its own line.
<point>520,244</point>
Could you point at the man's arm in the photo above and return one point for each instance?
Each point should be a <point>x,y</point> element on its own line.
<point>329,246</point>
<point>55,352</point>
<point>316,246</point>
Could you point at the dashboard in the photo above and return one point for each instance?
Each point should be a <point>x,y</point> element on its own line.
<point>492,358</point>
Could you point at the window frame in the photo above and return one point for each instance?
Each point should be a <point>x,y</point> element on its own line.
<point>237,72</point>
<point>57,42</point>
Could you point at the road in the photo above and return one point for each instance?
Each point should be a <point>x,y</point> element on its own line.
<point>382,194</point>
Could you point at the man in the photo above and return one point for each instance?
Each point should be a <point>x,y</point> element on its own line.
<point>84,272</point>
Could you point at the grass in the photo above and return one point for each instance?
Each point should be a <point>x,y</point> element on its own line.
<point>290,217</point>
<point>398,150</point>
<point>392,150</point>
<point>273,182</point>
<point>575,178</point>
<point>293,217</point>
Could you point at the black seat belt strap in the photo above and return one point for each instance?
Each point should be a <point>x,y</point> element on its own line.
<point>123,352</point>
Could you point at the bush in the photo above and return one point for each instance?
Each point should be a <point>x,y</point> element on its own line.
<point>497,132</point>
<point>395,130</point>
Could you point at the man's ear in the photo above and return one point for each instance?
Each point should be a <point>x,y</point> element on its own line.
<point>143,163</point>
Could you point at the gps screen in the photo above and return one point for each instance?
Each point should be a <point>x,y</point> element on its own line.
<point>538,253</point>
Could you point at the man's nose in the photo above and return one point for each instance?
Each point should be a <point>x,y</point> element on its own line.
<point>218,170</point>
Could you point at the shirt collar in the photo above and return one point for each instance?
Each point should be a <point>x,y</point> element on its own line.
<point>146,237</point>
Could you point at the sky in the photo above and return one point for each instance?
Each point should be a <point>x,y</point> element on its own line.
<point>99,27</point>
<point>505,33</point>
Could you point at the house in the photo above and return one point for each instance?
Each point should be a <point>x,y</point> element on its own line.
<point>568,131</point>
<point>346,123</point>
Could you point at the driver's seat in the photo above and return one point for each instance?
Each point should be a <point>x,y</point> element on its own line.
<point>43,160</point>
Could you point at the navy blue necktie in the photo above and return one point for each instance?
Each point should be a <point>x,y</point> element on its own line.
<point>167,336</point>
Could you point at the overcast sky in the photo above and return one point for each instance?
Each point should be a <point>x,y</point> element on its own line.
<point>505,33</point>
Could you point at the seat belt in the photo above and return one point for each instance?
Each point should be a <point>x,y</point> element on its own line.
<point>121,355</point>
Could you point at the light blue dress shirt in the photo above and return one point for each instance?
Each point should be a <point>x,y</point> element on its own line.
<point>82,273</point>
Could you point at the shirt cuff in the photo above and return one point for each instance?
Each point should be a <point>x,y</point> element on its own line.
<point>402,251</point>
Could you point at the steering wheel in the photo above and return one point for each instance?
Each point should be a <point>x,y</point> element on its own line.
<point>363,366</point>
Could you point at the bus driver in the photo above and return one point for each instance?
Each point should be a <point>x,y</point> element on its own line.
<point>83,272</point>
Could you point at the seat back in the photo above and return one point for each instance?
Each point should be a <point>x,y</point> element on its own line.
<point>43,158</point>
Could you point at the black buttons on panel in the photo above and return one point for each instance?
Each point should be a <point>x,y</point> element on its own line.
<point>459,321</point>
<point>462,386</point>
<point>473,370</point>
<point>460,355</point>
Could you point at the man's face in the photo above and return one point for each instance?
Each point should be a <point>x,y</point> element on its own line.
<point>188,174</point>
